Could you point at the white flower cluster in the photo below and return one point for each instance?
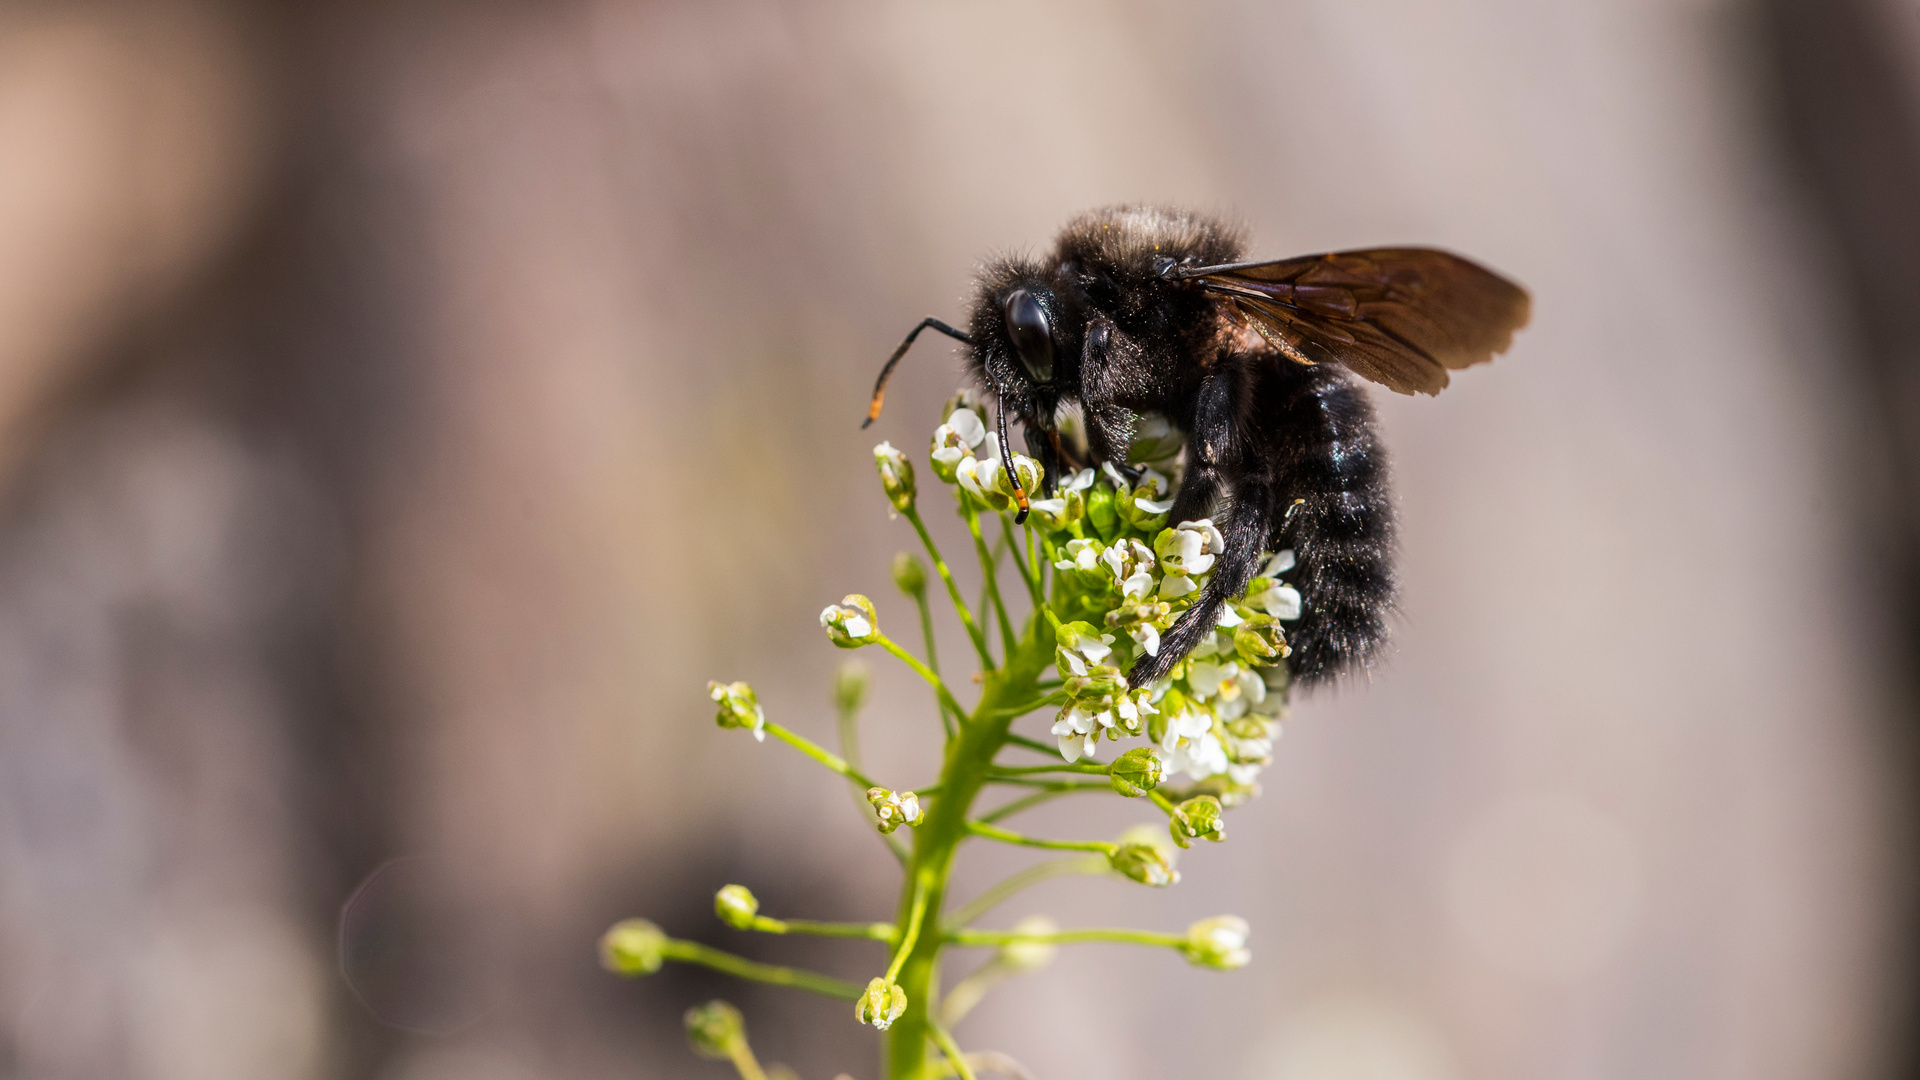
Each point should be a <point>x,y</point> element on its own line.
<point>1216,717</point>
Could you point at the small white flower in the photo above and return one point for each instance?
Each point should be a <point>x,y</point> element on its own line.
<point>1206,677</point>
<point>1189,548</point>
<point>895,808</point>
<point>1279,564</point>
<point>1280,601</point>
<point>850,623</point>
<point>1085,652</point>
<point>968,426</point>
<point>1079,481</point>
<point>1147,637</point>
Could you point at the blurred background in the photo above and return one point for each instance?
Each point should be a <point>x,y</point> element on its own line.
<point>405,407</point>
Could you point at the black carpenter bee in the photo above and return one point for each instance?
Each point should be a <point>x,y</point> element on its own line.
<point>1146,310</point>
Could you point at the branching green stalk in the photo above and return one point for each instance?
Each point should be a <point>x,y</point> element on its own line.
<point>1009,887</point>
<point>1001,771</point>
<point>995,938</point>
<point>692,952</point>
<point>995,832</point>
<point>1024,708</point>
<point>1035,745</point>
<point>948,717</point>
<point>916,916</point>
<point>987,570</point>
<point>850,749</point>
<point>922,670</point>
<point>953,591</point>
<point>878,931</point>
<point>1046,794</point>
<point>1028,573</point>
<point>954,1056</point>
<point>820,754</point>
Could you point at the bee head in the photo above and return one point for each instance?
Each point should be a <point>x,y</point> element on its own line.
<point>1026,334</point>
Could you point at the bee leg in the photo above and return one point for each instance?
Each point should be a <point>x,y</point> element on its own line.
<point>1249,521</point>
<point>1044,446</point>
<point>1209,448</point>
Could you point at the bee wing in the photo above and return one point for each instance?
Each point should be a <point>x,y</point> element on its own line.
<point>1401,317</point>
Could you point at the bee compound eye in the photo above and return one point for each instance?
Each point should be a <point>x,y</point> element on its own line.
<point>1032,335</point>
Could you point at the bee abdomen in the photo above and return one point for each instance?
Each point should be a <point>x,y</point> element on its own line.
<point>1339,521</point>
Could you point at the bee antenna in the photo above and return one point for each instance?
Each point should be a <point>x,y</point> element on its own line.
<point>880,384</point>
<point>1006,462</point>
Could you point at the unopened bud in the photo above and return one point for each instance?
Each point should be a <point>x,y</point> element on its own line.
<point>1145,863</point>
<point>715,1030</point>
<point>910,574</point>
<point>895,809</point>
<point>1137,771</point>
<point>633,947</point>
<point>896,475</point>
<point>739,708</point>
<point>850,684</point>
<point>851,623</point>
<point>1030,955</point>
<point>736,906</point>
<point>881,1005</point>
<point>1219,943</point>
<point>1196,819</point>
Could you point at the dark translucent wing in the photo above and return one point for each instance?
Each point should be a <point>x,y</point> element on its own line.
<point>1401,317</point>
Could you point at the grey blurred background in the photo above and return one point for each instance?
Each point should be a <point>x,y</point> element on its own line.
<point>406,406</point>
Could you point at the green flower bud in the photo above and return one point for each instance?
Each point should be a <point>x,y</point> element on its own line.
<point>895,809</point>
<point>851,623</point>
<point>881,1005</point>
<point>633,947</point>
<point>1197,818</point>
<point>736,906</point>
<point>1137,771</point>
<point>1145,506</point>
<point>1219,943</point>
<point>1029,955</point>
<point>716,1030</point>
<point>1145,863</point>
<point>896,475</point>
<point>851,681</point>
<point>739,708</point>
<point>910,574</point>
<point>1100,512</point>
<point>1259,640</point>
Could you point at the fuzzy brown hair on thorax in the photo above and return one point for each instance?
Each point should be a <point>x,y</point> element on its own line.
<point>1129,238</point>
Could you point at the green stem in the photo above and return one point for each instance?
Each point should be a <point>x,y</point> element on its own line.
<point>1023,564</point>
<point>916,916</point>
<point>692,952</point>
<point>953,591</point>
<point>820,754</point>
<point>947,1047</point>
<point>996,938</point>
<point>947,718</point>
<point>1033,875</point>
<point>920,669</point>
<point>937,839</point>
<point>745,1063</point>
<point>1046,794</point>
<point>850,749</point>
<point>1009,642</point>
<point>878,931</point>
<point>1022,709</point>
<point>1005,836</point>
<point>1028,770</point>
<point>1033,744</point>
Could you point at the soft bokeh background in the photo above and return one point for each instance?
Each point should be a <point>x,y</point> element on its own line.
<point>406,407</point>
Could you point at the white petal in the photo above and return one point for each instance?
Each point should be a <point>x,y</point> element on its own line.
<point>1095,651</point>
<point>968,426</point>
<point>1138,586</point>
<point>1080,481</point>
<point>858,626</point>
<point>1229,617</point>
<point>1176,586</point>
<point>1152,507</point>
<point>1074,663</point>
<point>1070,747</point>
<point>1279,564</point>
<point>1199,564</point>
<point>1283,602</point>
<point>1113,474</point>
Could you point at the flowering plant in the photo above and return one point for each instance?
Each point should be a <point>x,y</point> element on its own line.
<point>1097,573</point>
